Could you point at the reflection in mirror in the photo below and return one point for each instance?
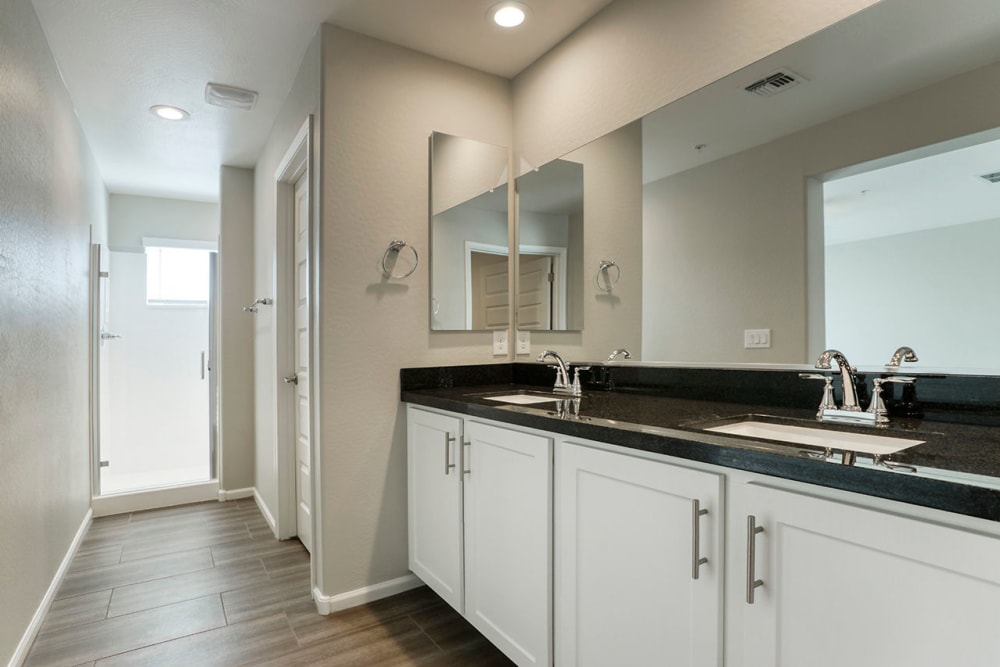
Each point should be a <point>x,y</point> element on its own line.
<point>468,235</point>
<point>920,236</point>
<point>550,247</point>
<point>733,187</point>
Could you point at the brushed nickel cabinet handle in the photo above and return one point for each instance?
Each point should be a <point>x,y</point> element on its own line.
<point>448,465</point>
<point>752,581</point>
<point>697,560</point>
<point>466,471</point>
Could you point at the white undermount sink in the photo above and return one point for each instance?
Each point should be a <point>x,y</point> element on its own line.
<point>818,437</point>
<point>523,399</point>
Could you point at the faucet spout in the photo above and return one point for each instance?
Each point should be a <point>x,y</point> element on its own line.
<point>902,354</point>
<point>562,371</point>
<point>846,376</point>
<point>622,352</point>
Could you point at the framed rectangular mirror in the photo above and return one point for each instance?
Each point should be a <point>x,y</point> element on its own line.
<point>469,253</point>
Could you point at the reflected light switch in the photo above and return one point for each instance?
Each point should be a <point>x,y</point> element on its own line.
<point>756,338</point>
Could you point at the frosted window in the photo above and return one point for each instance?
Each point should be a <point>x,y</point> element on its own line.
<point>176,276</point>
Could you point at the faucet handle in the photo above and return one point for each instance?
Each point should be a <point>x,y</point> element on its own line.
<point>827,402</point>
<point>577,389</point>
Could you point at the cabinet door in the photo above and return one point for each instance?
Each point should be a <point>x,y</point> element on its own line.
<point>508,537</point>
<point>434,492</point>
<point>844,585</point>
<point>627,538</point>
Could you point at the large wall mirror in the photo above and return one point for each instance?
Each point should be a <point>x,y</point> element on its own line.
<point>468,235</point>
<point>834,194</point>
<point>550,247</point>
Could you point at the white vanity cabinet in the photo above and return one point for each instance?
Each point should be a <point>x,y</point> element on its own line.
<point>843,584</point>
<point>480,521</point>
<point>434,490</point>
<point>638,561</point>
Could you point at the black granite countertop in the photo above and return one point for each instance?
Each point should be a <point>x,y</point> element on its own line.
<point>957,466</point>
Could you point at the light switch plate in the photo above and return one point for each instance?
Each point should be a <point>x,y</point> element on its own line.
<point>499,342</point>
<point>756,338</point>
<point>524,342</point>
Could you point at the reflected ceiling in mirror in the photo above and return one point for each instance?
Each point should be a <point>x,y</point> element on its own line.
<point>733,190</point>
<point>468,234</point>
<point>550,247</point>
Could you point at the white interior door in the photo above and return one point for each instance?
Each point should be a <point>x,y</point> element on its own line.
<point>534,302</point>
<point>490,297</point>
<point>303,477</point>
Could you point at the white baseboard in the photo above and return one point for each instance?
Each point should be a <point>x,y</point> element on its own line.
<point>119,503</point>
<point>262,506</point>
<point>327,604</point>
<point>236,494</point>
<point>21,652</point>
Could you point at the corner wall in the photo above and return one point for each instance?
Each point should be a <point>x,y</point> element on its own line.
<point>51,195</point>
<point>381,103</point>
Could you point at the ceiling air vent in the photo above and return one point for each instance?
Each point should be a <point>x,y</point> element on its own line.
<point>230,97</point>
<point>991,178</point>
<point>775,83</point>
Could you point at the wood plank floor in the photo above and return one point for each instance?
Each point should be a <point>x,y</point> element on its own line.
<point>208,585</point>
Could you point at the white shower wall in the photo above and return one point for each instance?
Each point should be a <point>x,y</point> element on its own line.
<point>156,430</point>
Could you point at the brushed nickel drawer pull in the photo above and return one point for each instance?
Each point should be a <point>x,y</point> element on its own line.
<point>697,560</point>
<point>752,581</point>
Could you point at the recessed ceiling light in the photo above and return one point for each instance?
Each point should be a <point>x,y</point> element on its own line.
<point>167,112</point>
<point>508,14</point>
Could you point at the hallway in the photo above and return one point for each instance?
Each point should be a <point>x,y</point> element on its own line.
<point>207,584</point>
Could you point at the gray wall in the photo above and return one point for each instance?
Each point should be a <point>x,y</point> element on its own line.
<point>50,196</point>
<point>133,217</point>
<point>235,354</point>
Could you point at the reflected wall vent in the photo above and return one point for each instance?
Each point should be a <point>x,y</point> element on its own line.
<point>991,178</point>
<point>775,83</point>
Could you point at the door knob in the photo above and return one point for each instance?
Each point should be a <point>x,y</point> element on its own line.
<point>292,379</point>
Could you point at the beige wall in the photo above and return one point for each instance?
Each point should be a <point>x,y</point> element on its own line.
<point>234,361</point>
<point>50,195</point>
<point>381,103</point>
<point>133,217</point>
<point>735,257</point>
<point>638,55</point>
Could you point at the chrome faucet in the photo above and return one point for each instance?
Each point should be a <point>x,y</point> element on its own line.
<point>562,385</point>
<point>902,354</point>
<point>625,354</point>
<point>847,377</point>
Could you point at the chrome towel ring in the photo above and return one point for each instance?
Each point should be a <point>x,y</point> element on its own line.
<point>608,275</point>
<point>391,256</point>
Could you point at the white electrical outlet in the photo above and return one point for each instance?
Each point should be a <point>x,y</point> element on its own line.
<point>499,342</point>
<point>524,342</point>
<point>756,338</point>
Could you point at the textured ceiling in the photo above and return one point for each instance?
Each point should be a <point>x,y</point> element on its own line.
<point>119,57</point>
